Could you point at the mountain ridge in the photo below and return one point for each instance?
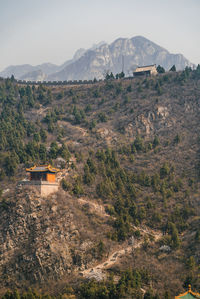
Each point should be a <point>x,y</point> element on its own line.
<point>122,53</point>
<point>130,52</point>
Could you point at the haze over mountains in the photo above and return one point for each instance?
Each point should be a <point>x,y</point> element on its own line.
<point>95,62</point>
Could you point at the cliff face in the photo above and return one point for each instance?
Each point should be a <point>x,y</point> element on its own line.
<point>32,231</point>
<point>40,238</point>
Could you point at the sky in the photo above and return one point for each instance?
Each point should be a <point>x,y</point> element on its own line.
<point>38,31</point>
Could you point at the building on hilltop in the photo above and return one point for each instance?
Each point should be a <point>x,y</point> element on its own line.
<point>147,70</point>
<point>188,295</point>
<point>43,173</point>
<point>43,179</point>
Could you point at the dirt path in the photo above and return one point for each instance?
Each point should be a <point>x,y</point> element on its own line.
<point>94,207</point>
<point>96,271</point>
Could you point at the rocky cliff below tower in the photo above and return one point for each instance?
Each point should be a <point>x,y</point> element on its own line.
<point>42,239</point>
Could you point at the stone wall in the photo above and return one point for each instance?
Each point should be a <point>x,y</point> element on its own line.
<point>43,188</point>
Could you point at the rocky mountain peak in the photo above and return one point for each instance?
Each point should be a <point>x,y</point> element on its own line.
<point>126,53</point>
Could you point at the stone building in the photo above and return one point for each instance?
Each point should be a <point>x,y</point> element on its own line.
<point>147,70</point>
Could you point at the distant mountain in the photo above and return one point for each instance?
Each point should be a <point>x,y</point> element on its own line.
<point>123,53</point>
<point>38,72</point>
<point>16,70</point>
<point>26,70</point>
<point>37,75</point>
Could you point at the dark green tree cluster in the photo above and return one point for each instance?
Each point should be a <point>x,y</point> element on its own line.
<point>79,115</point>
<point>120,75</point>
<point>128,285</point>
<point>118,187</point>
<point>22,141</point>
<point>26,295</point>
<point>174,240</point>
<point>160,69</point>
<point>139,146</point>
<point>109,76</point>
<point>52,117</point>
<point>173,68</point>
<point>196,73</point>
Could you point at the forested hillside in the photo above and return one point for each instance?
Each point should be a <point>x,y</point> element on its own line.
<point>131,148</point>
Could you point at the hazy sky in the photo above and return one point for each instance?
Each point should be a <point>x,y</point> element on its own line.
<point>37,31</point>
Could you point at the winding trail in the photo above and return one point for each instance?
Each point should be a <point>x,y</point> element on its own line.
<point>96,271</point>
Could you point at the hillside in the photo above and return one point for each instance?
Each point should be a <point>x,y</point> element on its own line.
<point>129,185</point>
<point>95,62</point>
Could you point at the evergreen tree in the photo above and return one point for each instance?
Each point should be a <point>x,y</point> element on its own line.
<point>160,69</point>
<point>173,68</point>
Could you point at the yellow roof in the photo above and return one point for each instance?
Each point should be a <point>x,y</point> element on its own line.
<point>42,168</point>
<point>188,295</point>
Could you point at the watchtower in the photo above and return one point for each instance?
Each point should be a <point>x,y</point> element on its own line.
<point>45,173</point>
<point>147,70</point>
<point>43,179</point>
<point>188,295</point>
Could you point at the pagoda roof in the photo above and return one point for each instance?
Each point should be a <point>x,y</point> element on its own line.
<point>42,168</point>
<point>188,295</point>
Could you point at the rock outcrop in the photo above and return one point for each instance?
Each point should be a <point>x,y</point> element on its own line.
<point>39,239</point>
<point>34,237</point>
